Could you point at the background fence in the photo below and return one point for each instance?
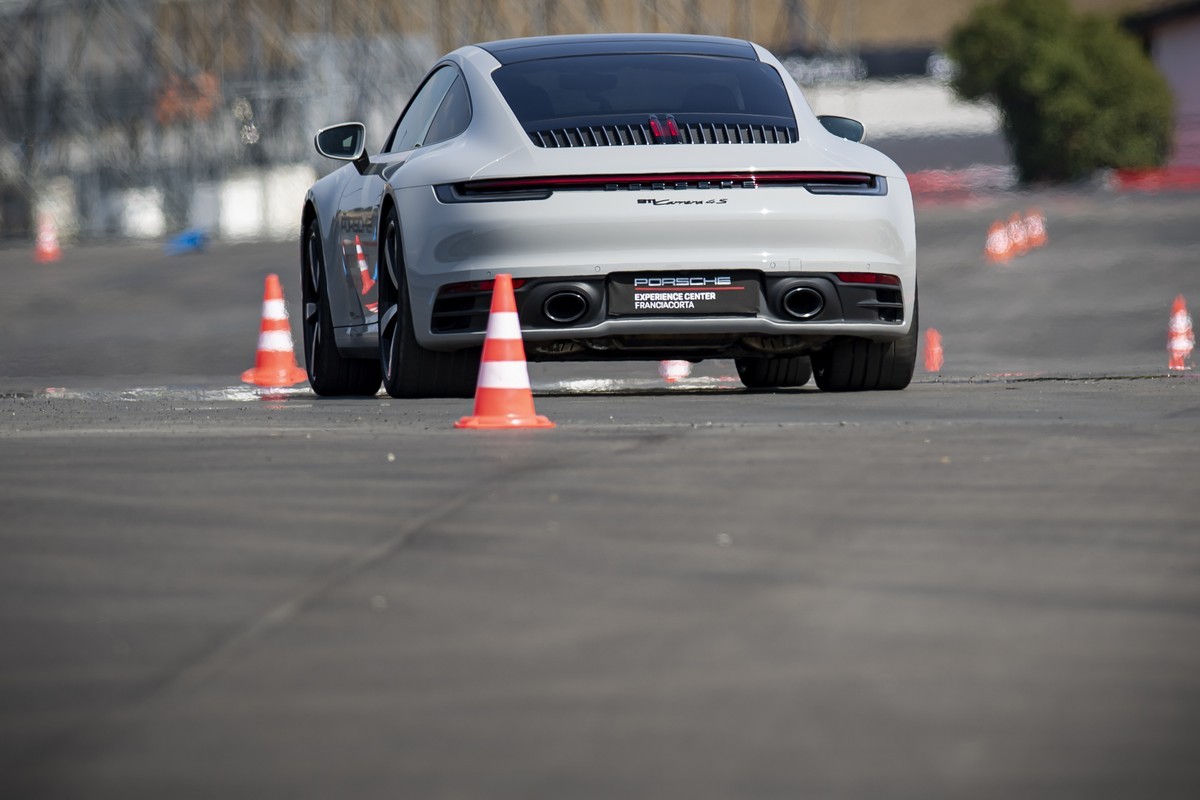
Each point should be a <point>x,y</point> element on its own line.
<point>142,117</point>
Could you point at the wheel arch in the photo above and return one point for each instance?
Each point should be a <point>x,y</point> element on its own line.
<point>387,205</point>
<point>306,219</point>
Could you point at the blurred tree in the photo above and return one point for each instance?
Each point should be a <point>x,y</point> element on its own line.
<point>1076,92</point>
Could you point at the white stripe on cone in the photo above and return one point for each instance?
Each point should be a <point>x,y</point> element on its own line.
<point>503,375</point>
<point>274,309</point>
<point>503,325</point>
<point>275,341</point>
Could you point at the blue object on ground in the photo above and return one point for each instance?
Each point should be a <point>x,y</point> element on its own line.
<point>190,241</point>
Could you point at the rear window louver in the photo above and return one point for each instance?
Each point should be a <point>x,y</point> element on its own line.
<point>693,133</point>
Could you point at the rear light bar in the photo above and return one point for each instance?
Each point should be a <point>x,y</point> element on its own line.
<point>878,278</point>
<point>542,187</point>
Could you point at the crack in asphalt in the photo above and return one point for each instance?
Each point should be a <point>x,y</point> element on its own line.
<point>221,651</point>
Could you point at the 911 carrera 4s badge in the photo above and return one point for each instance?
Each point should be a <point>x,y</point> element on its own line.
<point>671,294</point>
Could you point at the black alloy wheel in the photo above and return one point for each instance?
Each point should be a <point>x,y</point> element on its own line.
<point>329,373</point>
<point>409,370</point>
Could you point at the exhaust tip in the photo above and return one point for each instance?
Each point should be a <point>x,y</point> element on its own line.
<point>565,307</point>
<point>803,302</point>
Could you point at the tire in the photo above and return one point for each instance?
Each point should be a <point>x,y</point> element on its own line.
<point>850,364</point>
<point>408,369</point>
<point>761,372</point>
<point>329,373</point>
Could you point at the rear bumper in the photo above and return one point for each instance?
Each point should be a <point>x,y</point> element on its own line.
<point>572,319</point>
<point>573,241</point>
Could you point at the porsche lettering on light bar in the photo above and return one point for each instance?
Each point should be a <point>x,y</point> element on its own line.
<point>856,183</point>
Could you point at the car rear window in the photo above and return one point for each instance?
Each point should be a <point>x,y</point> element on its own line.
<point>622,89</point>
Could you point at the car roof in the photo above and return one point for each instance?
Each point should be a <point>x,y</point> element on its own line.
<point>509,51</point>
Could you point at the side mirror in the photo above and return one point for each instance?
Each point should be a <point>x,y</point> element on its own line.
<point>844,127</point>
<point>344,142</point>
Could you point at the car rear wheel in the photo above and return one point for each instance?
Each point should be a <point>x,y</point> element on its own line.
<point>761,372</point>
<point>409,370</point>
<point>329,373</point>
<point>850,364</point>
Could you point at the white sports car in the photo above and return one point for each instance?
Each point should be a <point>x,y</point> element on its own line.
<point>653,197</point>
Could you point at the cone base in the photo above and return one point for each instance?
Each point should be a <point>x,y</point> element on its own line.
<point>507,421</point>
<point>271,378</point>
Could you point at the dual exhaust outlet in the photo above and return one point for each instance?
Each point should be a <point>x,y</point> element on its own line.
<point>802,302</point>
<point>566,306</point>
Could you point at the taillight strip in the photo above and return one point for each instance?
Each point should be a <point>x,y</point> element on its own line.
<point>538,188</point>
<point>623,181</point>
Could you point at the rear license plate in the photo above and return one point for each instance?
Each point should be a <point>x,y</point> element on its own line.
<point>684,293</point>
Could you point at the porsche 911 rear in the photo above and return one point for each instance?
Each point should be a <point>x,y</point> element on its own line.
<point>653,197</point>
<point>684,264</point>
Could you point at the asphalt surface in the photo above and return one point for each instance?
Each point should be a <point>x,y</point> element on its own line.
<point>984,586</point>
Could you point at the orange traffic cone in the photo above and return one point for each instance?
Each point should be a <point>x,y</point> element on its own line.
<point>998,248</point>
<point>933,351</point>
<point>46,249</point>
<point>364,269</point>
<point>1017,236</point>
<point>1180,338</point>
<point>1035,227</point>
<point>275,361</point>
<point>503,397</point>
